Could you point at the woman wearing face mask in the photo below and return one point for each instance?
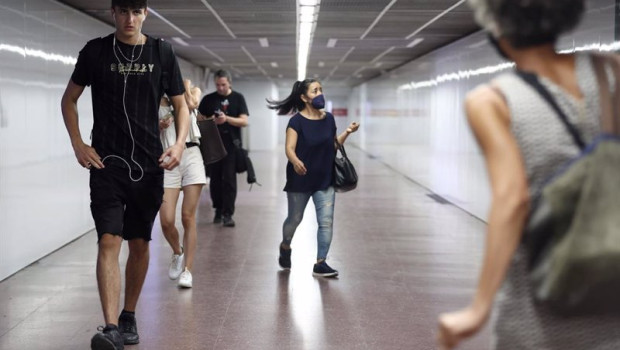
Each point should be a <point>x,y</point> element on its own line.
<point>189,177</point>
<point>310,149</point>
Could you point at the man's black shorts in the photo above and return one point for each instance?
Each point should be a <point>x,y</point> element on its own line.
<point>123,207</point>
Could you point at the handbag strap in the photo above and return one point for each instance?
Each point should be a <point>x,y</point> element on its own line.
<point>533,80</point>
<point>340,148</point>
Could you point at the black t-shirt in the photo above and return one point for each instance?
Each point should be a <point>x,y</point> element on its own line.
<point>232,105</point>
<point>104,69</point>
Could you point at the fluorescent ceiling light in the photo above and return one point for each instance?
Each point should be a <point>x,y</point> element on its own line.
<point>151,11</point>
<point>382,54</point>
<point>179,41</point>
<point>332,42</point>
<point>274,64</point>
<point>263,42</point>
<point>374,23</point>
<point>212,53</point>
<point>415,42</point>
<point>321,64</point>
<point>307,14</point>
<point>434,19</point>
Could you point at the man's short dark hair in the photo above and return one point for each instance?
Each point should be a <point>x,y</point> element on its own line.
<point>130,4</point>
<point>535,22</point>
<point>222,74</point>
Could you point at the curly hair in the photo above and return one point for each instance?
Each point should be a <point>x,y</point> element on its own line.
<point>527,23</point>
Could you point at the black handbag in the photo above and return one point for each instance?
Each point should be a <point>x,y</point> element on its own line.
<point>345,177</point>
<point>211,146</point>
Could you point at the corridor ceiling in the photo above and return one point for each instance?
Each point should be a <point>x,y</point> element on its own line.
<point>366,38</point>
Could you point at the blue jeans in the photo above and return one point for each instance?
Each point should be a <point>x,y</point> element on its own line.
<point>324,204</point>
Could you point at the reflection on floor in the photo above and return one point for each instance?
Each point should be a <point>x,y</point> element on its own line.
<point>403,258</point>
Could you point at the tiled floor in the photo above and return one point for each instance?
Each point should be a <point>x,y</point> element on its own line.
<point>403,258</point>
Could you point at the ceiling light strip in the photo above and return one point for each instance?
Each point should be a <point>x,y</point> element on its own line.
<point>219,19</point>
<point>374,23</point>
<point>415,42</point>
<point>382,54</point>
<point>249,54</point>
<point>212,53</point>
<point>307,13</point>
<point>346,55</point>
<point>358,71</point>
<point>332,72</point>
<point>237,70</point>
<point>150,10</point>
<point>180,41</point>
<point>435,19</point>
<point>260,68</point>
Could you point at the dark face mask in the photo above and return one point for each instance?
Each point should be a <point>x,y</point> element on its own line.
<point>495,44</point>
<point>318,102</point>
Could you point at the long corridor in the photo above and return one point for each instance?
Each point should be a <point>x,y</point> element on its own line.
<point>403,258</point>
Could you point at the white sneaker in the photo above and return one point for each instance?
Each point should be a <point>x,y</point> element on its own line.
<point>176,266</point>
<point>185,280</point>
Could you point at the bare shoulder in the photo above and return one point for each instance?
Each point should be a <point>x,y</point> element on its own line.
<point>486,102</point>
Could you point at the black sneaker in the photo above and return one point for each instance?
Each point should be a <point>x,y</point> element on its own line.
<point>323,270</point>
<point>217,219</point>
<point>228,221</point>
<point>108,338</point>
<point>128,328</point>
<point>285,258</point>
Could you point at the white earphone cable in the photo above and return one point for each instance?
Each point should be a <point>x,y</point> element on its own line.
<point>125,73</point>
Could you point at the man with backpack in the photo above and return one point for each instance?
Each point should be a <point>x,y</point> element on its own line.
<point>128,73</point>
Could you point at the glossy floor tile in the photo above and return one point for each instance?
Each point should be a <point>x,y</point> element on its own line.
<point>403,258</point>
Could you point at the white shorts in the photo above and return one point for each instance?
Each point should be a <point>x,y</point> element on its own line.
<point>191,170</point>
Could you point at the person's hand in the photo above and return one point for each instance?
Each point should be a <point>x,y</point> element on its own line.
<point>87,156</point>
<point>220,118</point>
<point>171,157</point>
<point>353,127</point>
<point>165,123</point>
<point>299,167</point>
<point>200,117</point>
<point>457,326</point>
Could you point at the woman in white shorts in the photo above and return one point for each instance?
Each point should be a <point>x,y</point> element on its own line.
<point>189,176</point>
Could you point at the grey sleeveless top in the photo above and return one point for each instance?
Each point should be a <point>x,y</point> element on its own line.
<point>545,144</point>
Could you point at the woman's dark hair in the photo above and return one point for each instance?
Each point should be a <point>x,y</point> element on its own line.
<point>293,102</point>
<point>130,4</point>
<point>527,23</point>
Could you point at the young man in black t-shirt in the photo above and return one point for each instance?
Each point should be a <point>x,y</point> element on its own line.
<point>128,73</point>
<point>231,114</point>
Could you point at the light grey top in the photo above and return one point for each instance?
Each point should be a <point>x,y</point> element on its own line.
<point>546,144</point>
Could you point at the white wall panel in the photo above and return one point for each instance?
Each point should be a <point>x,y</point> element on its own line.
<point>44,194</point>
<point>422,131</point>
